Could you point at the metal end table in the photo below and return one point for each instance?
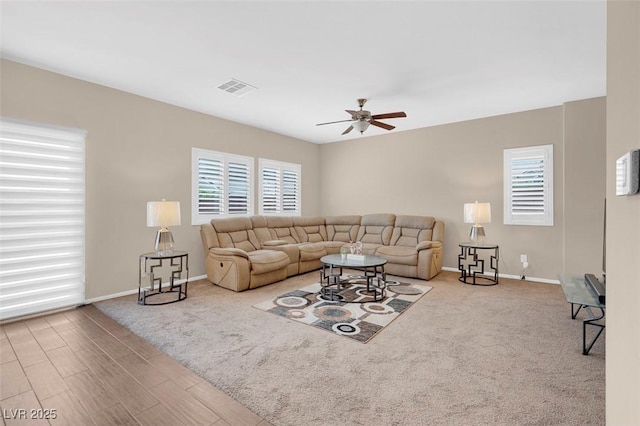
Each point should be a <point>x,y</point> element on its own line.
<point>148,262</point>
<point>471,266</point>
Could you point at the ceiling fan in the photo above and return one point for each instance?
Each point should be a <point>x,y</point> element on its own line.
<point>360,120</point>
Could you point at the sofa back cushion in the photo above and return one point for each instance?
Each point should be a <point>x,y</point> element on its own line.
<point>310,229</point>
<point>376,228</point>
<point>281,228</point>
<point>408,231</point>
<point>342,228</point>
<point>236,232</point>
<point>260,229</point>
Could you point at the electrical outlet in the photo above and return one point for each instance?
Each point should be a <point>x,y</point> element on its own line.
<point>523,258</point>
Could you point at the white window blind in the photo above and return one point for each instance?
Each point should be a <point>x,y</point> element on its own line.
<point>222,185</point>
<point>280,188</point>
<point>270,191</point>
<point>290,191</point>
<point>528,186</point>
<point>42,218</point>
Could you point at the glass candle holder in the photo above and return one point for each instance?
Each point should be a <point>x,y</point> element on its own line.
<point>343,253</point>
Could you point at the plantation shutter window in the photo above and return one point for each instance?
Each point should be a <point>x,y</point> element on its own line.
<point>280,188</point>
<point>239,188</point>
<point>210,186</point>
<point>528,186</point>
<point>222,185</point>
<point>42,218</point>
<point>270,190</point>
<point>290,191</point>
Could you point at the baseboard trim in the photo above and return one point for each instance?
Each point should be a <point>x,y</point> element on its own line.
<point>515,277</point>
<point>134,291</point>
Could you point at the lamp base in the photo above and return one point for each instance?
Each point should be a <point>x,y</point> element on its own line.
<point>164,241</point>
<point>477,234</point>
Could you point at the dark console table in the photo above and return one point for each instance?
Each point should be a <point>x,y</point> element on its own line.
<point>580,293</point>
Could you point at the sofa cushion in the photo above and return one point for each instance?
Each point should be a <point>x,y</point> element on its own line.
<point>399,254</point>
<point>408,231</point>
<point>376,228</point>
<point>231,224</point>
<point>310,229</point>
<point>342,228</point>
<point>235,232</point>
<point>241,240</point>
<point>272,243</point>
<point>334,246</point>
<point>311,251</point>
<point>260,229</point>
<point>281,228</point>
<point>370,248</point>
<point>229,251</point>
<point>291,250</point>
<point>263,261</point>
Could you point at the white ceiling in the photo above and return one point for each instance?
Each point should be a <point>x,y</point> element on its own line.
<point>440,62</point>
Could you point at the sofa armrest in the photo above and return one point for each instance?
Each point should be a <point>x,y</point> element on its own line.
<point>208,237</point>
<point>228,252</point>
<point>272,243</point>
<point>428,244</point>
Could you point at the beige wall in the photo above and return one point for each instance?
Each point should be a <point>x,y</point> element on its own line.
<point>623,216</point>
<point>139,150</point>
<point>435,170</point>
<point>584,185</point>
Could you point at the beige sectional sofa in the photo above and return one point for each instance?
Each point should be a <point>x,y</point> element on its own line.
<point>249,252</point>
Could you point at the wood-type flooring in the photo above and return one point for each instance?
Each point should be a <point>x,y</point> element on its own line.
<point>80,367</point>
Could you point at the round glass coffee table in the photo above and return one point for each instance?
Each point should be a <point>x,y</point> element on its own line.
<point>332,281</point>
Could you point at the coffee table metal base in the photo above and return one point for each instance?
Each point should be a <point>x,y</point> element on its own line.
<point>332,283</point>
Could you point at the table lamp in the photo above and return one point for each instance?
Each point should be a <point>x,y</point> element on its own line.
<point>477,213</point>
<point>163,214</point>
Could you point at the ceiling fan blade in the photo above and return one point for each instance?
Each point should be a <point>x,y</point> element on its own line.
<point>353,114</point>
<point>383,125</point>
<point>389,115</point>
<point>350,128</point>
<point>333,122</point>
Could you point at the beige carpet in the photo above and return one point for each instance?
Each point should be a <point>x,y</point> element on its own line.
<point>464,355</point>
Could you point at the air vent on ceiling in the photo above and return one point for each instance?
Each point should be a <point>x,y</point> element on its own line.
<point>237,87</point>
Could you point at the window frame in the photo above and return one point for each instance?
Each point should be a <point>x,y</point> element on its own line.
<point>225,158</point>
<point>545,153</point>
<point>282,167</point>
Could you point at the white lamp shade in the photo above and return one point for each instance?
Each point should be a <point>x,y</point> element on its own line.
<point>361,125</point>
<point>477,212</point>
<point>163,213</point>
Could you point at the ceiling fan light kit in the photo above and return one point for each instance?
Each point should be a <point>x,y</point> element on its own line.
<point>361,125</point>
<point>360,120</point>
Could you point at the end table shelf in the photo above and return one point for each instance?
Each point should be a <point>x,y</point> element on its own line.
<point>178,262</point>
